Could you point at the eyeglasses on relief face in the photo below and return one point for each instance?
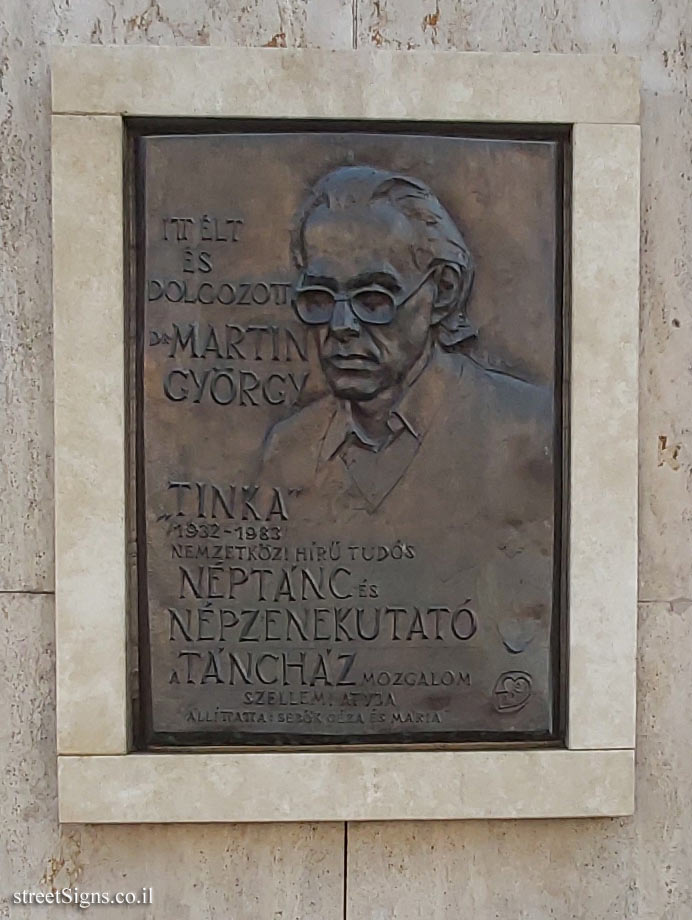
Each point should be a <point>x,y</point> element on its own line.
<point>373,304</point>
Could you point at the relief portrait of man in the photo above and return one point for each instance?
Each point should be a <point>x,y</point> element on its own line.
<point>384,279</point>
<point>416,440</point>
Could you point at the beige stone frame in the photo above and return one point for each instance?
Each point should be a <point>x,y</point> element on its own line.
<point>100,779</point>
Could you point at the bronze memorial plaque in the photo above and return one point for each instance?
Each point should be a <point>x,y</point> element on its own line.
<point>348,439</point>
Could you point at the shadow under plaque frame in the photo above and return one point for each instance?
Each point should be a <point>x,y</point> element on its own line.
<point>593,99</point>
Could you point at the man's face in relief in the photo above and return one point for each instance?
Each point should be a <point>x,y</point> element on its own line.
<point>369,335</point>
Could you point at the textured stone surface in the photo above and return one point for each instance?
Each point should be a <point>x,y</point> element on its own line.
<point>89,434</point>
<point>347,786</point>
<point>632,869</point>
<point>665,431</point>
<point>328,84</point>
<point>603,445</point>
<point>28,792</point>
<point>26,427</point>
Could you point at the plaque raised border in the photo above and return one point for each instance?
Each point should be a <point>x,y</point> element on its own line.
<point>101,778</point>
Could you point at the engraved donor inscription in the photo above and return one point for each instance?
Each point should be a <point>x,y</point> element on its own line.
<point>349,437</point>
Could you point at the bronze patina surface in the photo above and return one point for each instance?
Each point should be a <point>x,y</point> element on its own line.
<point>349,436</point>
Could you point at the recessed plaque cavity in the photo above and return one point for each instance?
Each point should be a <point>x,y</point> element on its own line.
<point>349,436</point>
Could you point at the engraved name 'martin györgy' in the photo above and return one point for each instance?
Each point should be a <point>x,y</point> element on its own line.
<point>349,489</point>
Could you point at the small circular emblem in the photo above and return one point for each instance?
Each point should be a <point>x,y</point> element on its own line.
<point>512,691</point>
